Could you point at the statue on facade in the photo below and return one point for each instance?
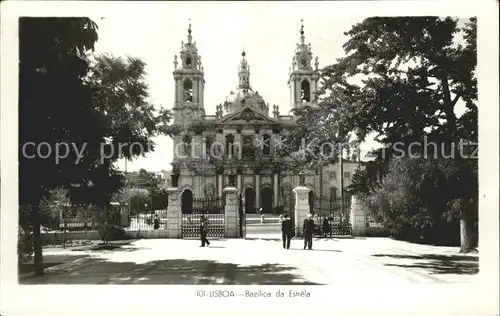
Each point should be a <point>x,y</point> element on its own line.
<point>218,112</point>
<point>276,111</point>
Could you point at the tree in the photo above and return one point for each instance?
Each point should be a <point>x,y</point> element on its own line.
<point>55,107</point>
<point>401,80</point>
<point>418,70</point>
<point>64,106</point>
<point>120,94</point>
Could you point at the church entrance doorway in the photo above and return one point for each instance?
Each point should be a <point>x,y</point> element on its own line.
<point>266,200</point>
<point>187,202</point>
<point>250,201</point>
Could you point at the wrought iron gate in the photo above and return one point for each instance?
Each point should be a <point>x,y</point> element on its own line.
<point>213,209</point>
<point>331,217</point>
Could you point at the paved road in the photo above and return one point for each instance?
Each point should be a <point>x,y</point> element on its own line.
<point>261,260</point>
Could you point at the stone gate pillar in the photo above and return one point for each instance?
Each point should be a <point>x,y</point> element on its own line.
<point>301,207</point>
<point>174,213</point>
<point>357,217</point>
<point>231,208</point>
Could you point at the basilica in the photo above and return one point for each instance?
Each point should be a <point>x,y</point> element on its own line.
<point>242,136</point>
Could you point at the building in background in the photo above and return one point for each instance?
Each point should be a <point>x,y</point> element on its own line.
<point>242,135</point>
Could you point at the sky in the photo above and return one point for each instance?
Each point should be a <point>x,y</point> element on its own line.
<point>268,32</point>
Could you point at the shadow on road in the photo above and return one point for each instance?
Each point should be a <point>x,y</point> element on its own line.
<point>48,262</point>
<point>122,246</point>
<point>438,264</point>
<point>175,271</point>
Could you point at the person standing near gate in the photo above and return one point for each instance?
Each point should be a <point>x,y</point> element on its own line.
<point>326,227</point>
<point>156,222</point>
<point>286,231</point>
<point>204,231</point>
<point>308,230</point>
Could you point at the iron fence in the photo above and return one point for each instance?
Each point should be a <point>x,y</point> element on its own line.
<point>331,216</point>
<point>147,220</point>
<point>213,209</point>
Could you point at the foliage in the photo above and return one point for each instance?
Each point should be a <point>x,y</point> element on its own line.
<point>315,139</point>
<point>412,73</point>
<point>144,188</point>
<point>416,198</point>
<point>108,224</point>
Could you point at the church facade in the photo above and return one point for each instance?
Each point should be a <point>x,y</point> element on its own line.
<point>243,136</point>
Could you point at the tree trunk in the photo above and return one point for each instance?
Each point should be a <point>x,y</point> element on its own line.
<point>37,240</point>
<point>467,238</point>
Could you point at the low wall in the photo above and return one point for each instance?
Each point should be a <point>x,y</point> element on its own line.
<point>58,237</point>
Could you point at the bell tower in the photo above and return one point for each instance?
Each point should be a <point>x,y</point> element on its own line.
<point>303,78</point>
<point>189,83</point>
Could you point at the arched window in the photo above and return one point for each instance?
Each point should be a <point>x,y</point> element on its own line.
<point>189,61</point>
<point>333,193</point>
<point>186,144</point>
<point>188,90</point>
<point>305,91</point>
<point>266,147</point>
<point>187,202</point>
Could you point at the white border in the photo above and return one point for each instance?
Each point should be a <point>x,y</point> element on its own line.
<point>467,299</point>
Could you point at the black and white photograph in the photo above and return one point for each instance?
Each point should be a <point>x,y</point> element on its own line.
<point>269,152</point>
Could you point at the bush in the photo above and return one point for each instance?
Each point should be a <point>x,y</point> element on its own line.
<point>413,199</point>
<point>108,224</point>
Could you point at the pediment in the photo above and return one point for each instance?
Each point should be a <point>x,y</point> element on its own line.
<point>246,115</point>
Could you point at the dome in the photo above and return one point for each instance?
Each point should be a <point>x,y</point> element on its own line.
<point>241,98</point>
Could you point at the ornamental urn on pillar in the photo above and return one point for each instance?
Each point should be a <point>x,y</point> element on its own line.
<point>232,179</point>
<point>302,178</point>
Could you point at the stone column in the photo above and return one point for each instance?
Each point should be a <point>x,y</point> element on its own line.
<point>357,217</point>
<point>297,91</point>
<point>219,184</point>
<point>238,181</point>
<point>276,189</point>
<point>238,141</point>
<point>231,212</point>
<point>174,214</point>
<point>301,207</point>
<point>257,192</point>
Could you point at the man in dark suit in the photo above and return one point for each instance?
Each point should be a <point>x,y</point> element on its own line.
<point>308,230</point>
<point>287,231</point>
<point>204,231</point>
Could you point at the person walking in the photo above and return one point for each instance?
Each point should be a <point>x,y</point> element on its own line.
<point>286,231</point>
<point>326,227</point>
<point>308,229</point>
<point>204,231</point>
